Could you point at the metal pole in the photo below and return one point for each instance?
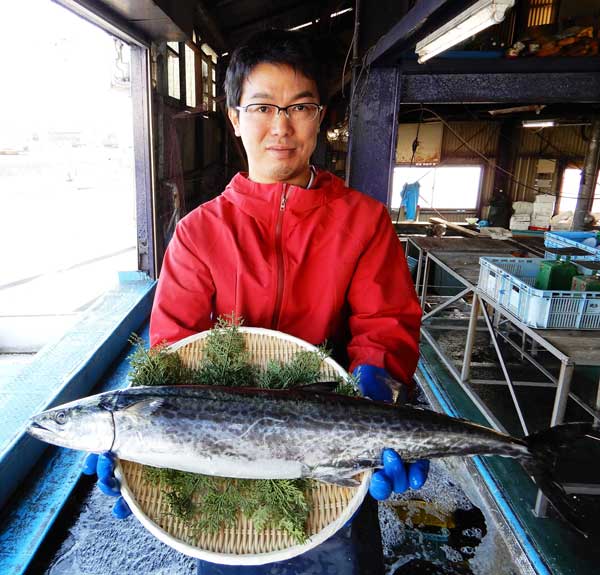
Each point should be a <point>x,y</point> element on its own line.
<point>419,269</point>
<point>562,393</point>
<point>425,281</point>
<point>597,406</point>
<point>355,60</point>
<point>485,411</point>
<point>541,505</point>
<point>588,177</point>
<point>446,303</point>
<point>504,370</point>
<point>466,367</point>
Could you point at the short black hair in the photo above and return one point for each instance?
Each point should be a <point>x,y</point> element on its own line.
<point>273,47</point>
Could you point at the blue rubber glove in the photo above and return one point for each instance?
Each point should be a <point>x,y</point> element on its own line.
<point>395,476</point>
<point>104,466</point>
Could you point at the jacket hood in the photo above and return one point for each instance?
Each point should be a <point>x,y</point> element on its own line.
<point>261,201</point>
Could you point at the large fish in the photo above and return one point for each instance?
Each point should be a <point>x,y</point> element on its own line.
<point>268,434</point>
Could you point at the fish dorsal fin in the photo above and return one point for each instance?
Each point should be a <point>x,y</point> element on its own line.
<point>145,407</point>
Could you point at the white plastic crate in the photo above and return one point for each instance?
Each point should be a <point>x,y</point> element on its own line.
<point>510,281</point>
<point>572,240</point>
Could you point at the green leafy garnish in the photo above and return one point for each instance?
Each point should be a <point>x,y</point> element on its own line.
<point>208,503</point>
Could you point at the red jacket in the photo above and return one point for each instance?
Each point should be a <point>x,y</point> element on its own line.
<point>317,264</point>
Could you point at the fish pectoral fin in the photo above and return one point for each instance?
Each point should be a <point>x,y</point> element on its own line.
<point>342,474</point>
<point>339,481</point>
<point>319,387</point>
<point>145,407</point>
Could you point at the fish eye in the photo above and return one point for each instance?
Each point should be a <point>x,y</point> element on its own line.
<point>60,417</point>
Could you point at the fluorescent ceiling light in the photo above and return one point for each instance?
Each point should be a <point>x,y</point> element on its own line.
<point>539,123</point>
<point>479,16</point>
<point>336,14</point>
<point>305,25</point>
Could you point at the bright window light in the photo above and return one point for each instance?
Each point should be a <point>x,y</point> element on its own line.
<point>442,188</point>
<point>569,191</point>
<point>190,77</point>
<point>173,75</point>
<point>67,172</point>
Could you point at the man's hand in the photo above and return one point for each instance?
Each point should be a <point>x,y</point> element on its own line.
<point>396,476</point>
<point>103,465</point>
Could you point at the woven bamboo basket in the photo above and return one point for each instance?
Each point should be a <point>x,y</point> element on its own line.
<point>330,506</point>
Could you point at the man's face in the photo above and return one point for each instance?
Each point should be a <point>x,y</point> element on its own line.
<point>279,149</point>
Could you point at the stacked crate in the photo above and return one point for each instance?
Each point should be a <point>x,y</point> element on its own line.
<point>511,283</point>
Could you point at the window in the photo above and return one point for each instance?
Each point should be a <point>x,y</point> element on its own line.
<point>542,12</point>
<point>173,70</point>
<point>209,78</point>
<point>569,191</point>
<point>69,179</point>
<point>67,173</point>
<point>190,77</point>
<point>443,188</point>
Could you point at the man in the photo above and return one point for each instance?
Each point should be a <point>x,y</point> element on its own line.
<point>290,247</point>
<point>287,246</point>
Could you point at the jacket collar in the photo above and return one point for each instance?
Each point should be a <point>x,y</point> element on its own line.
<point>262,201</point>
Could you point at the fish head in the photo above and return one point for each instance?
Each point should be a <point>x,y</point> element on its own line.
<point>86,424</point>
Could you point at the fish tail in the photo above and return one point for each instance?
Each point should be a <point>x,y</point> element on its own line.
<point>545,448</point>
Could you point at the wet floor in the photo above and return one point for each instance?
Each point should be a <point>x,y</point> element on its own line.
<point>87,540</point>
<point>436,530</point>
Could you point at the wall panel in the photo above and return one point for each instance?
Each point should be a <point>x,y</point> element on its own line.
<point>480,137</point>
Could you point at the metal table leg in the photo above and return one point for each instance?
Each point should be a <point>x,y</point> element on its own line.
<point>507,377</point>
<point>558,416</point>
<point>471,334</point>
<point>562,393</point>
<point>425,280</point>
<point>419,269</point>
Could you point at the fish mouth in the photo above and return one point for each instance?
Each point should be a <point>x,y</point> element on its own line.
<point>39,431</point>
<point>34,425</point>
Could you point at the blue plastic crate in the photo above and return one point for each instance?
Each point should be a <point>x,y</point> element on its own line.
<point>510,281</point>
<point>572,240</point>
<point>575,258</point>
<point>412,265</point>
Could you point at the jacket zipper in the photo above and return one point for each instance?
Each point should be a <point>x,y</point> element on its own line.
<point>279,253</point>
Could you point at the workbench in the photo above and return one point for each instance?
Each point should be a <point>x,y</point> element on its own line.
<point>478,245</point>
<point>571,348</point>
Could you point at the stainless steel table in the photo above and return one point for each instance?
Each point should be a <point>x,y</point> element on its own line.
<point>570,347</point>
<point>423,245</point>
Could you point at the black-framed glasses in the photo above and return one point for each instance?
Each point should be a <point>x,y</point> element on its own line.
<point>301,112</point>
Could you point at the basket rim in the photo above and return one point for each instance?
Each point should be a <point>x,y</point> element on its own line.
<point>250,558</point>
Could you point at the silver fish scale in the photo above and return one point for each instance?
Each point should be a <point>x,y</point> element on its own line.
<point>264,433</point>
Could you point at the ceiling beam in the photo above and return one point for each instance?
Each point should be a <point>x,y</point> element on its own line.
<point>300,11</point>
<point>209,26</point>
<point>536,88</point>
<point>397,37</point>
